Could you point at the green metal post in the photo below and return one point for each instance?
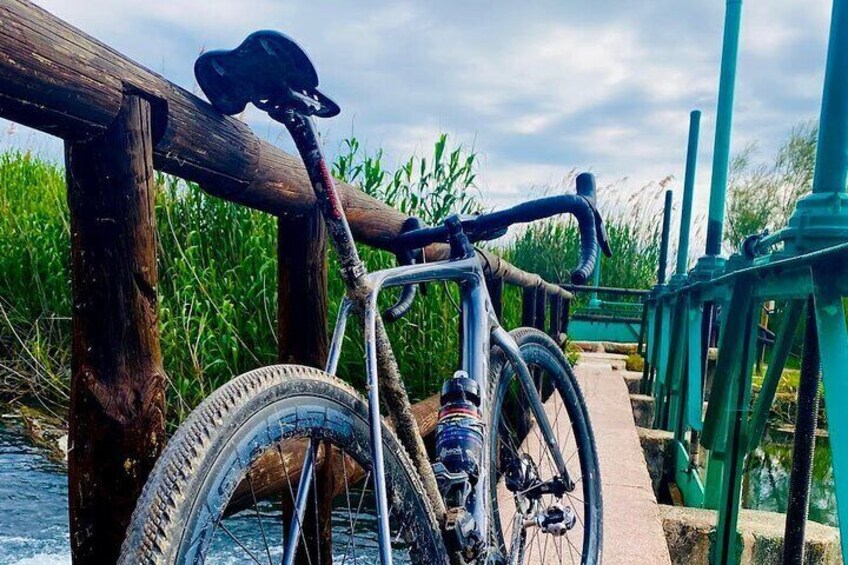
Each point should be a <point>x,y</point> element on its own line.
<point>727,550</point>
<point>724,125</point>
<point>664,237</point>
<point>694,375</point>
<point>821,218</point>
<point>688,192</point>
<point>676,366</point>
<point>780,353</point>
<point>596,282</point>
<point>833,335</point>
<point>832,151</point>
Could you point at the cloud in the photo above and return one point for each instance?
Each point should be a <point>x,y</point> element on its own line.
<point>539,89</point>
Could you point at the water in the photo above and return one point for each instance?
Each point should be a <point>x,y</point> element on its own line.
<point>34,515</point>
<point>33,505</point>
<point>34,511</point>
<point>766,484</point>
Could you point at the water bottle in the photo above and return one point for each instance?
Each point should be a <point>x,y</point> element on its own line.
<point>459,438</point>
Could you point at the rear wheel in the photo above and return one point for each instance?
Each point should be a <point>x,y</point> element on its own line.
<point>523,459</point>
<point>225,487</point>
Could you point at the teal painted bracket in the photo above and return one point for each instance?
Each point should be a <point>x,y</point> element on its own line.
<point>833,344</point>
<point>694,378</point>
<point>780,352</point>
<point>687,478</point>
<point>729,358</point>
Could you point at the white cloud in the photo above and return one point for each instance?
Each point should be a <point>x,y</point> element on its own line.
<point>539,89</point>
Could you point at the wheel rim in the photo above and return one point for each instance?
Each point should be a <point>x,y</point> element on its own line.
<point>248,506</point>
<point>519,435</point>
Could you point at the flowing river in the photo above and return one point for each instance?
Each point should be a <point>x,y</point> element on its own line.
<point>34,509</point>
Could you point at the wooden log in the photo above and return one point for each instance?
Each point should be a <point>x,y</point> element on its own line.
<point>541,307</point>
<point>269,476</point>
<point>555,322</point>
<point>116,421</point>
<point>528,307</point>
<point>57,79</point>
<point>302,290</point>
<point>495,288</point>
<point>302,335</point>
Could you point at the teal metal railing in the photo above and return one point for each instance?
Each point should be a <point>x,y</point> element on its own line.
<point>803,267</point>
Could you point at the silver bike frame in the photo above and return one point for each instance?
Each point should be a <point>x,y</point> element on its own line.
<point>480,328</point>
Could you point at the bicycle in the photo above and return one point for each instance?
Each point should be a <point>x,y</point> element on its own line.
<point>289,464</point>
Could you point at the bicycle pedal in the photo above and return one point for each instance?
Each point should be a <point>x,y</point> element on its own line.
<point>556,520</point>
<point>462,535</point>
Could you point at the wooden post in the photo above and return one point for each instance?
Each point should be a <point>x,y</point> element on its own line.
<point>541,303</point>
<point>116,421</point>
<point>528,307</point>
<point>495,287</point>
<point>302,335</point>
<point>302,292</point>
<point>556,317</point>
<point>566,316</point>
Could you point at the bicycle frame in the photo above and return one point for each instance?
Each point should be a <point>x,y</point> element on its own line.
<point>480,329</point>
<point>293,102</point>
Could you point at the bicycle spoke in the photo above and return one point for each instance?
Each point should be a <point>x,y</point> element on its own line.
<point>315,502</point>
<point>241,545</point>
<point>358,509</point>
<point>349,517</point>
<point>259,517</point>
<point>295,515</point>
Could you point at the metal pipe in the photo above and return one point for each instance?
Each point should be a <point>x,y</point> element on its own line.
<point>303,488</point>
<point>664,237</point>
<point>832,151</point>
<point>805,444</point>
<point>596,282</point>
<point>724,124</point>
<point>688,192</point>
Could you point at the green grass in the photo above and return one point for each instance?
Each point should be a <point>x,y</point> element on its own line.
<point>217,277</point>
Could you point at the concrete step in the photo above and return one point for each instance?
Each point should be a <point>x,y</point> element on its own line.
<point>643,409</point>
<point>633,380</point>
<point>691,531</point>
<point>607,347</point>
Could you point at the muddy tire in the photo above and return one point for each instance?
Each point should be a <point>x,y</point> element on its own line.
<point>191,485</point>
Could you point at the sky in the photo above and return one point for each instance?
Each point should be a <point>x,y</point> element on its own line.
<point>538,89</point>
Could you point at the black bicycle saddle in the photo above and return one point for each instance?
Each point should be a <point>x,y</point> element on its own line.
<point>269,70</point>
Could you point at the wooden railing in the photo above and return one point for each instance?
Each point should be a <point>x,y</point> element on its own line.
<point>120,123</point>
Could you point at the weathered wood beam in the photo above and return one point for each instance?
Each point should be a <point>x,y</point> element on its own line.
<point>269,477</point>
<point>116,420</point>
<point>57,79</point>
<point>528,308</point>
<point>541,307</point>
<point>495,287</point>
<point>302,334</point>
<point>302,290</point>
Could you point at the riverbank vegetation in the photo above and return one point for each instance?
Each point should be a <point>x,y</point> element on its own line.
<point>217,272</point>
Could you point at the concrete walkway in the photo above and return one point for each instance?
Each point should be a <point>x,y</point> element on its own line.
<point>633,532</point>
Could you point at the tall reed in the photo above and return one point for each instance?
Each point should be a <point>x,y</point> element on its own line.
<point>217,272</point>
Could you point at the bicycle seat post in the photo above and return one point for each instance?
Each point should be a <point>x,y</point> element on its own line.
<point>305,138</point>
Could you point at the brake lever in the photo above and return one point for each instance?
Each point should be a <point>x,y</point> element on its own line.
<point>601,230</point>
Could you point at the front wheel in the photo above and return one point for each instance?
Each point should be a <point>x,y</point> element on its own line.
<point>524,473</point>
<point>225,488</point>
